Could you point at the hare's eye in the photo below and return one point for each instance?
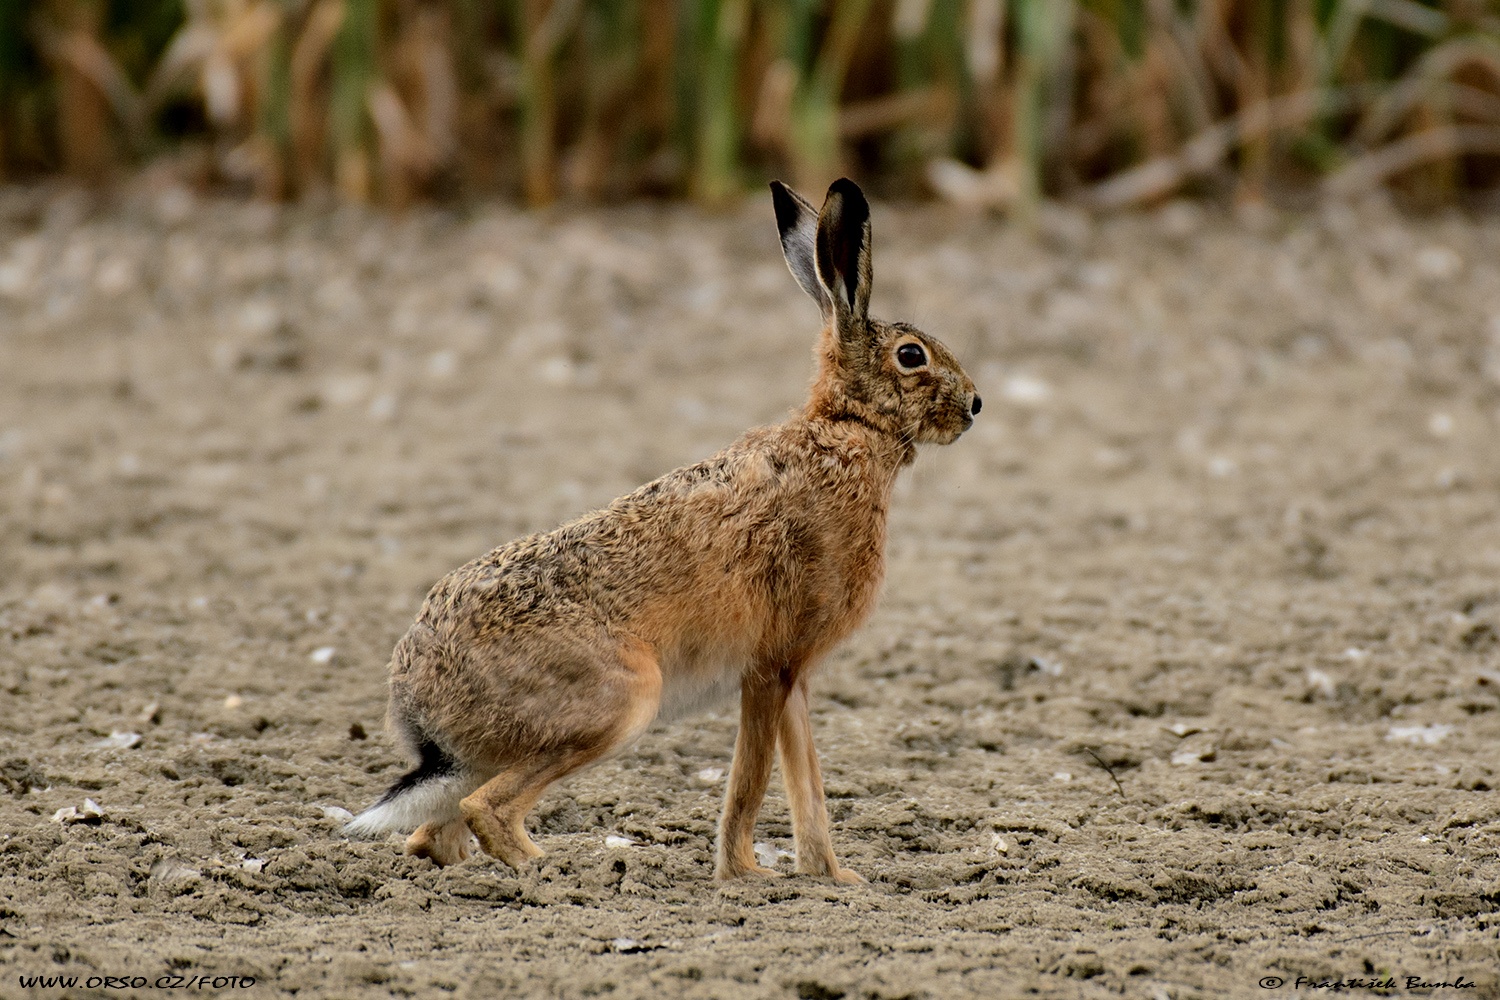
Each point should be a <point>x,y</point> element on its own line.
<point>911,356</point>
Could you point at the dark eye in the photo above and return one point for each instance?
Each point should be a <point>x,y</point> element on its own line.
<point>911,356</point>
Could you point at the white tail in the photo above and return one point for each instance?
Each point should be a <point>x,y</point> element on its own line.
<point>407,805</point>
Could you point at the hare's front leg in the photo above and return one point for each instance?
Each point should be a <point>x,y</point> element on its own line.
<point>804,791</point>
<point>761,702</point>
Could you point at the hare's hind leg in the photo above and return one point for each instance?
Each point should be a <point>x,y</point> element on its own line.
<point>618,713</point>
<point>804,791</point>
<point>497,811</point>
<point>444,842</point>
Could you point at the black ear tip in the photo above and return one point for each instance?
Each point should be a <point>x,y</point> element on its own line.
<point>785,206</point>
<point>853,198</point>
<point>847,188</point>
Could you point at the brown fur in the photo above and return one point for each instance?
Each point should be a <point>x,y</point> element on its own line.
<point>558,649</point>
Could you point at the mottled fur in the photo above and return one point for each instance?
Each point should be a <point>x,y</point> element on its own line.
<point>745,569</point>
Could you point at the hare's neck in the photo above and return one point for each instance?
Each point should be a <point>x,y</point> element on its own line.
<point>870,432</point>
<point>863,448</point>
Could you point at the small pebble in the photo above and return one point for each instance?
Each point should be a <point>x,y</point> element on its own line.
<point>613,841</point>
<point>1321,683</point>
<point>769,854</point>
<point>323,654</point>
<point>1049,667</point>
<point>1182,757</point>
<point>1429,735</point>
<point>338,813</point>
<point>89,813</point>
<point>117,740</point>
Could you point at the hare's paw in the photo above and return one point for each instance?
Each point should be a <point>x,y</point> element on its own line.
<point>843,876</point>
<point>444,843</point>
<point>725,872</point>
<point>505,841</point>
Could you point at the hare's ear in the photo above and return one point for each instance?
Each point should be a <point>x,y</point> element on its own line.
<point>844,252</point>
<point>798,223</point>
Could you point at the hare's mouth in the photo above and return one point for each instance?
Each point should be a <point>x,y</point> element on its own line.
<point>946,435</point>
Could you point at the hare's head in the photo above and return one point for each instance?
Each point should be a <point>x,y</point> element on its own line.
<point>891,376</point>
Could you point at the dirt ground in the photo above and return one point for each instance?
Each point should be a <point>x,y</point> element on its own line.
<point>1186,673</point>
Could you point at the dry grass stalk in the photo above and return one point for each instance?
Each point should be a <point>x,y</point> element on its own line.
<point>993,102</point>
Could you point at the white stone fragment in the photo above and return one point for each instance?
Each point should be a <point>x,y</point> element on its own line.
<point>90,812</point>
<point>323,654</point>
<point>1051,668</point>
<point>613,841</point>
<point>768,854</point>
<point>117,740</point>
<point>1428,735</point>
<point>1321,682</point>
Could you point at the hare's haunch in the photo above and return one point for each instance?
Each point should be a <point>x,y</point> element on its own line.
<point>557,650</point>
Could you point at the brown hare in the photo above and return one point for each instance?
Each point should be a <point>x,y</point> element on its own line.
<point>557,650</point>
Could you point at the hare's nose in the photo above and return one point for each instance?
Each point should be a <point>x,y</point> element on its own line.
<point>974,406</point>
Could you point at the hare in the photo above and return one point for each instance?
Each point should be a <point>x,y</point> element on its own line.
<point>744,570</point>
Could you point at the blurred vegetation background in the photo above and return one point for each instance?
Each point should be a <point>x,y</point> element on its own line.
<point>994,103</point>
